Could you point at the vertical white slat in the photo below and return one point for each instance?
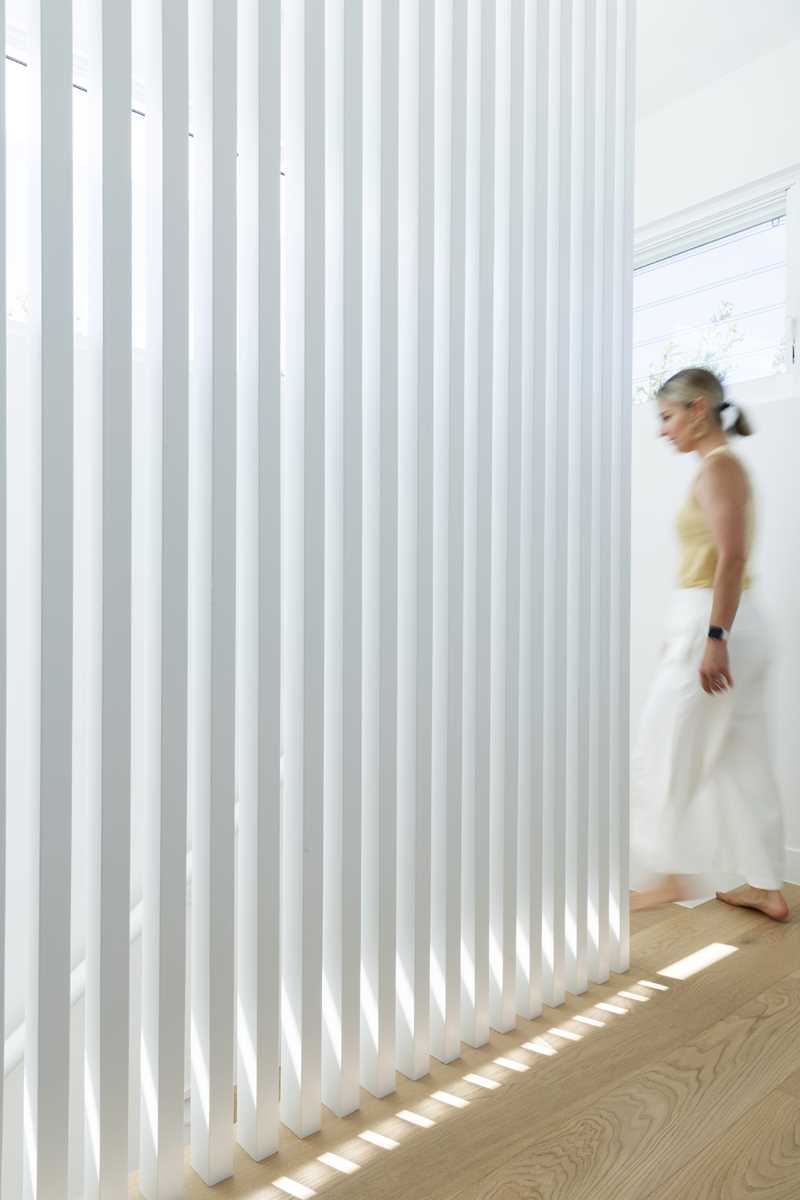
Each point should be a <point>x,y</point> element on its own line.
<point>353,388</point>
<point>304,529</point>
<point>477,410</point>
<point>371,265</point>
<point>333,847</point>
<point>533,333</point>
<point>3,535</point>
<point>343,519</point>
<point>416,201</point>
<point>212,574</point>
<point>412,840</point>
<point>47,1015</point>
<point>258,578</point>
<point>556,465</point>
<point>379,851</point>
<point>579,584</point>
<point>379,1069</point>
<point>164,840</point>
<point>107,1032</point>
<point>427,331</point>
<point>621,486</point>
<point>505,519</point>
<point>600,663</point>
<point>446,769</point>
<point>625,478</point>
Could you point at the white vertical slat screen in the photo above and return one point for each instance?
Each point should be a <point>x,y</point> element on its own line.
<point>164,800</point>
<point>371,554</point>
<point>341,983</point>
<point>109,812</point>
<point>212,566</point>
<point>304,531</point>
<point>46,1071</point>
<point>258,579</point>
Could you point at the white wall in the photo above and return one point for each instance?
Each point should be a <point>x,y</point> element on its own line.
<point>738,129</point>
<point>660,480</point>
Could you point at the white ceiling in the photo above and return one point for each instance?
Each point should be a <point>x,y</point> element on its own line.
<point>685,44</point>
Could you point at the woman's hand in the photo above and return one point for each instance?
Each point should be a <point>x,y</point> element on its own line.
<point>715,672</point>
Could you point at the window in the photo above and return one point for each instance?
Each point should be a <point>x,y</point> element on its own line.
<point>718,296</point>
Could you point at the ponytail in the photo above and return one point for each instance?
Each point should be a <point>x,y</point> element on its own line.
<point>741,425</point>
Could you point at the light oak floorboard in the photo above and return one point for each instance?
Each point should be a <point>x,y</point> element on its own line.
<point>791,1085</point>
<point>759,1157</point>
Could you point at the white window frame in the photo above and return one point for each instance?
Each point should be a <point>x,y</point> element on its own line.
<point>765,200</point>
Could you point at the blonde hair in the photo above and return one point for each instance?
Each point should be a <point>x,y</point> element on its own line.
<point>687,385</point>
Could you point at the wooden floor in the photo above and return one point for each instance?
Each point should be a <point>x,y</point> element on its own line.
<point>692,1093</point>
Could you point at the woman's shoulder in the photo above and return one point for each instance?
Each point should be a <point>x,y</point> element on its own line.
<point>727,473</point>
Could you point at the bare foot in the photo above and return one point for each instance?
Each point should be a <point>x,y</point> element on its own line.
<point>772,904</point>
<point>668,891</point>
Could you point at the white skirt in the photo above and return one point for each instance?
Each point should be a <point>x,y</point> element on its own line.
<point>704,798</point>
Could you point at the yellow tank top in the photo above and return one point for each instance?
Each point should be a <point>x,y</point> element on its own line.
<point>698,553</point>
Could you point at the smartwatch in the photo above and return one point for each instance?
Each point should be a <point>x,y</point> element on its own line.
<point>718,633</point>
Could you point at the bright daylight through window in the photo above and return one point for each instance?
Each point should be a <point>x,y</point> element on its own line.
<point>721,305</point>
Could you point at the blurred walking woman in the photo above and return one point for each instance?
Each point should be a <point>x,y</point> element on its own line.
<point>705,801</point>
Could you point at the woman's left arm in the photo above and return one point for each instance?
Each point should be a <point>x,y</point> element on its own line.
<point>722,493</point>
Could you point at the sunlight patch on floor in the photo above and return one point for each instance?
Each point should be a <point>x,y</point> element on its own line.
<point>511,1064</point>
<point>450,1100</point>
<point>378,1139</point>
<point>415,1119</point>
<point>694,963</point>
<point>292,1188</point>
<point>481,1081</point>
<point>540,1047</point>
<point>345,1166</point>
<point>584,1020</point>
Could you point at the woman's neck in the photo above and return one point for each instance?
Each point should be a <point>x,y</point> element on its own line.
<point>712,441</point>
